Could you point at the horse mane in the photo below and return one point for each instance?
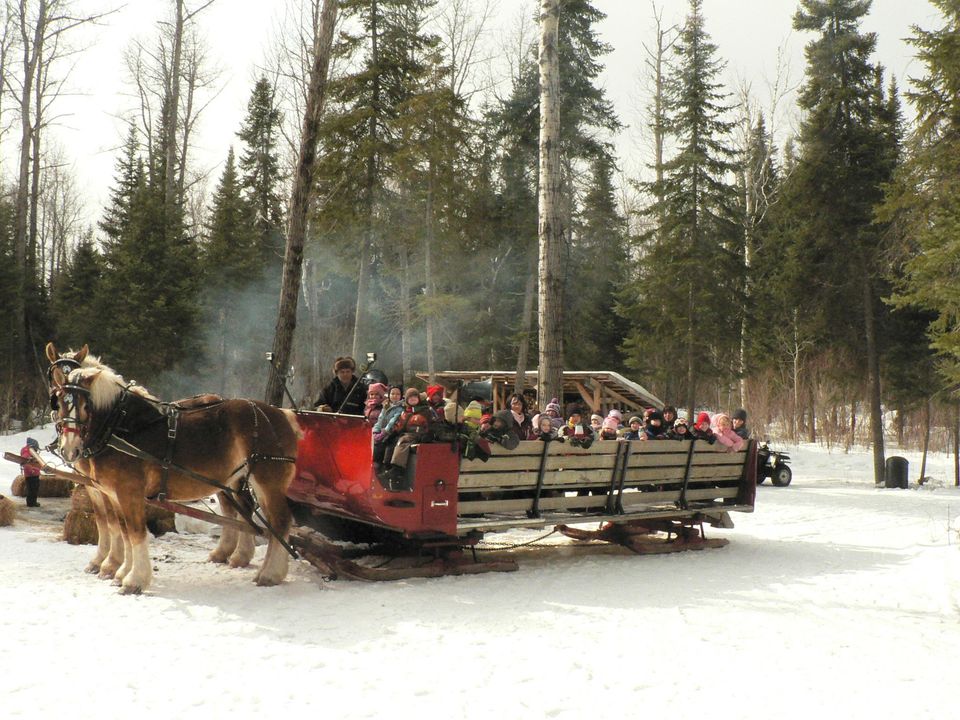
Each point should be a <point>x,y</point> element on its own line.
<point>104,383</point>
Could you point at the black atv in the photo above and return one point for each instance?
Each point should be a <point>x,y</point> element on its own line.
<point>774,465</point>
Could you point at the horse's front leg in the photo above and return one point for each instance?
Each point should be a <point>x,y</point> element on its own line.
<point>271,483</point>
<point>109,567</point>
<point>130,501</point>
<point>98,501</point>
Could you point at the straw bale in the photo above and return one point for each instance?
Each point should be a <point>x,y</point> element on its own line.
<point>80,500</point>
<point>50,487</point>
<point>80,528</point>
<point>160,521</point>
<point>8,511</point>
<point>54,487</point>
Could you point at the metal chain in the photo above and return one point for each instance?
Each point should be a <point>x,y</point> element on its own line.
<point>490,546</point>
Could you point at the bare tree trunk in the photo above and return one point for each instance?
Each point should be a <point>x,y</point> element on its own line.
<point>406,316</point>
<point>550,221</point>
<point>551,229</point>
<point>173,108</point>
<point>300,198</point>
<point>926,439</point>
<point>691,358</point>
<point>873,372</point>
<point>428,279</point>
<point>360,317</point>
<point>526,320</point>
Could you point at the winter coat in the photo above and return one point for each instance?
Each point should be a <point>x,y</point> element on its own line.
<point>633,435</point>
<point>729,438</point>
<point>743,431</point>
<point>655,433</point>
<point>523,430</point>
<point>29,469</point>
<point>346,400</point>
<point>386,421</point>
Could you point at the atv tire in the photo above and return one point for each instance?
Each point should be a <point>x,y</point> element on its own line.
<point>782,476</point>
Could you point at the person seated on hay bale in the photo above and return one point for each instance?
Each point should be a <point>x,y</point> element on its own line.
<point>31,471</point>
<point>346,393</point>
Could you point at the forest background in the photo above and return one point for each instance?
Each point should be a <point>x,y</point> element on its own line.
<point>789,246</point>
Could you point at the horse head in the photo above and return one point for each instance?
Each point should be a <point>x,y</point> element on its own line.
<point>84,399</point>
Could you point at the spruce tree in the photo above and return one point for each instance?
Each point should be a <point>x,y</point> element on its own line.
<point>683,296</point>
<point>921,201</point>
<point>75,298</point>
<point>845,158</point>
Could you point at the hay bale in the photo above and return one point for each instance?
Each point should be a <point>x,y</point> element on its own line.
<point>50,487</point>
<point>80,500</point>
<point>8,511</point>
<point>80,528</point>
<point>54,487</point>
<point>160,521</point>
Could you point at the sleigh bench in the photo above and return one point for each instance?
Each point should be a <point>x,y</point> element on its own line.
<point>535,484</point>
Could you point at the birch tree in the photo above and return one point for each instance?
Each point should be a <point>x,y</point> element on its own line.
<point>550,225</point>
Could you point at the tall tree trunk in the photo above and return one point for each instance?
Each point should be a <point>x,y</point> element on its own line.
<point>360,317</point>
<point>873,372</point>
<point>429,286</point>
<point>300,197</point>
<point>526,320</point>
<point>173,109</point>
<point>550,221</point>
<point>926,439</point>
<point>406,317</point>
<point>956,448</point>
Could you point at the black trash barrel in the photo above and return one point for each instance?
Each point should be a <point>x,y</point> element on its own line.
<point>896,472</point>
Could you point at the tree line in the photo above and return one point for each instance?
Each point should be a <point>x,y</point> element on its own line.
<point>806,277</point>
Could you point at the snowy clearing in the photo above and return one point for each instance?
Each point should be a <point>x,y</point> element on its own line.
<point>834,599</point>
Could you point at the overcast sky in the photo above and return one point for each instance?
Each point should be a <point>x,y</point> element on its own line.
<point>239,32</point>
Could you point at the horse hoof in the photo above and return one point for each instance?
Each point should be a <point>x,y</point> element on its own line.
<point>216,557</point>
<point>107,573</point>
<point>264,581</point>
<point>92,568</point>
<point>130,589</point>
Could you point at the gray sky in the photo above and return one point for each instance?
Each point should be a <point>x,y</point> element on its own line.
<point>239,32</point>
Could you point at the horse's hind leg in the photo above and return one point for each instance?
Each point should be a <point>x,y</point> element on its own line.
<point>98,501</point>
<point>271,488</point>
<point>234,547</point>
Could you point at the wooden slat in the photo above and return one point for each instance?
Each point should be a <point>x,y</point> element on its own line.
<point>590,477</point>
<point>630,499</point>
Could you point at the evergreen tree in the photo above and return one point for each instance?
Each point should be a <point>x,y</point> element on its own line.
<point>261,177</point>
<point>921,201</point>
<point>76,295</point>
<point>845,157</point>
<point>683,290</point>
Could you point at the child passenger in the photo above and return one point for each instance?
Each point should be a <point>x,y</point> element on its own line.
<point>701,429</point>
<point>654,428</point>
<point>636,429</point>
<point>580,435</point>
<point>725,434</point>
<point>680,430</point>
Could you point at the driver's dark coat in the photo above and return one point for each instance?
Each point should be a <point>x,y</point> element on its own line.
<point>334,395</point>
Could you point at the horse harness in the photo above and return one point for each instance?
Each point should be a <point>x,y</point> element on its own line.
<point>133,413</point>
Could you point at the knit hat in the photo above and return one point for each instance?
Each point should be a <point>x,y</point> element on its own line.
<point>680,421</point>
<point>610,423</point>
<point>740,414</point>
<point>614,413</point>
<point>472,413</point>
<point>411,391</point>
<point>33,444</point>
<point>598,418</point>
<point>553,407</point>
<point>433,390</point>
<point>719,417</point>
<point>344,362</point>
<point>655,415</point>
<point>703,420</point>
<point>634,419</point>
<point>377,389</point>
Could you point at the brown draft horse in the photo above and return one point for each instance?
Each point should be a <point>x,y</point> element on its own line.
<point>227,443</point>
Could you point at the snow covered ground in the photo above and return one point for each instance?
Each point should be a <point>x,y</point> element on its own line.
<point>833,600</point>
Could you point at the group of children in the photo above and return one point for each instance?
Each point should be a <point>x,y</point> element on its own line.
<point>655,424</point>
<point>404,418</point>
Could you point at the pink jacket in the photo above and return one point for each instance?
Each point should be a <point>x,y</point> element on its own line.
<point>726,436</point>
